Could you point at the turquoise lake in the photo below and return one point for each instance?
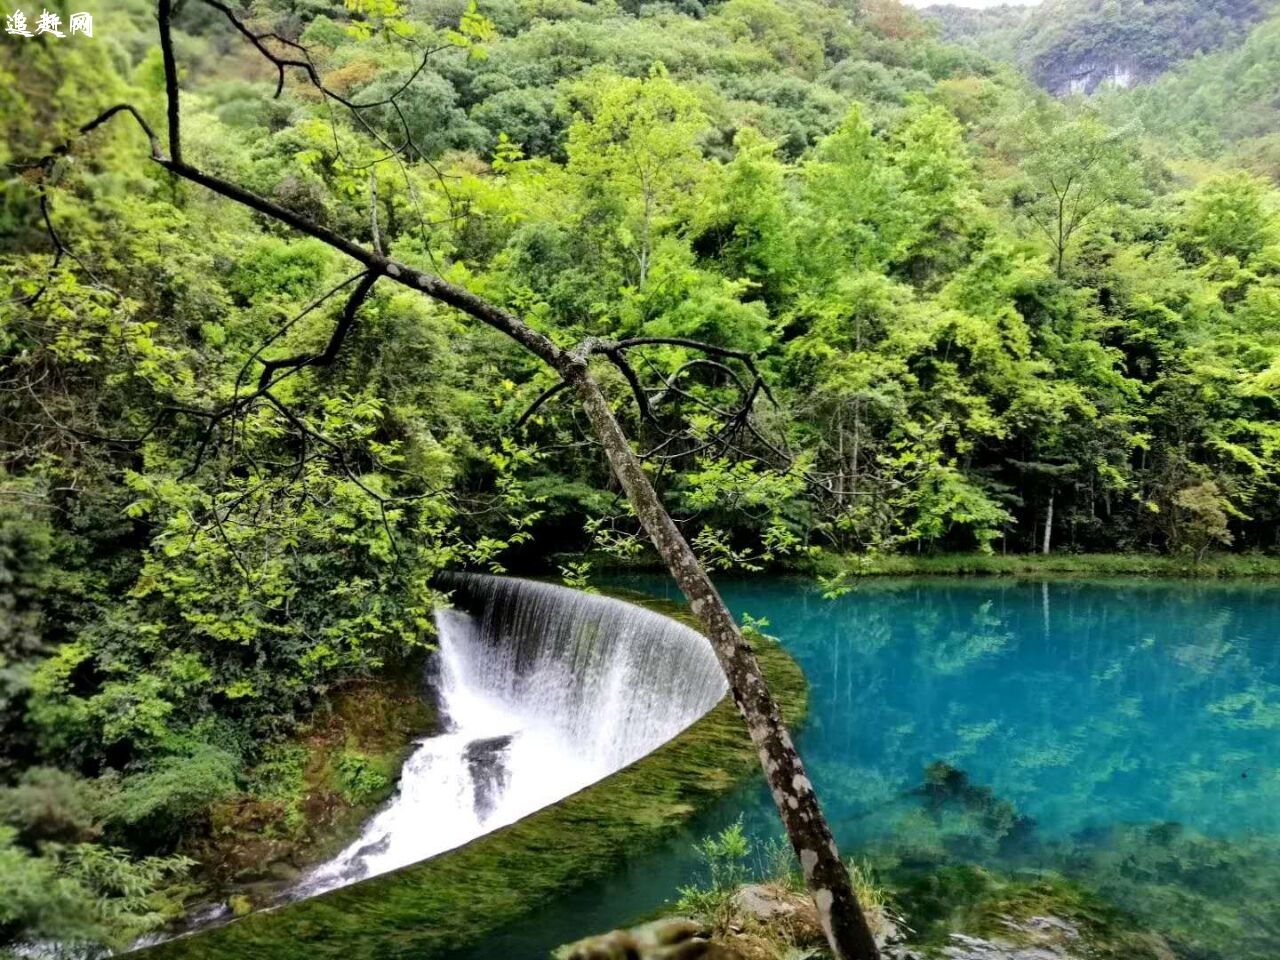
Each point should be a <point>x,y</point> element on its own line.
<point>1126,735</point>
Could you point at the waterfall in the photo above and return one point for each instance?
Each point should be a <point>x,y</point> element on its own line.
<point>542,691</point>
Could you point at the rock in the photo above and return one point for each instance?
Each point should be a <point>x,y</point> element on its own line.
<point>676,930</point>
<point>888,930</point>
<point>791,913</point>
<point>1053,925</point>
<point>764,902</point>
<point>282,872</point>
<point>974,948</point>
<point>1041,938</point>
<point>672,939</point>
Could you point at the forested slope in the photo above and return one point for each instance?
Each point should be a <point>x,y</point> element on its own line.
<point>977,308</point>
<point>1079,46</point>
<point>1224,107</point>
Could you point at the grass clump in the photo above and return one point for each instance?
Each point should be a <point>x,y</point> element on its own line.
<point>724,858</point>
<point>753,899</point>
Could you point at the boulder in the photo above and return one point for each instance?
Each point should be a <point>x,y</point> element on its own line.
<point>676,938</point>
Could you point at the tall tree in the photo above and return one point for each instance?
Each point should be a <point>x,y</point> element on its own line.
<point>638,150</point>
<point>1075,168</point>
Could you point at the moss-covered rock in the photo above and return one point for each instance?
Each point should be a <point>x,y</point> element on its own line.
<point>312,792</point>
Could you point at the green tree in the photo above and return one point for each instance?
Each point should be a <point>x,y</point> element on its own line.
<point>636,153</point>
<point>1075,168</point>
<point>1231,216</point>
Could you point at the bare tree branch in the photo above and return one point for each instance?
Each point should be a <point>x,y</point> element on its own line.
<point>542,398</point>
<point>345,322</point>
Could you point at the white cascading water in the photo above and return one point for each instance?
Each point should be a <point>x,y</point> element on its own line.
<point>543,691</point>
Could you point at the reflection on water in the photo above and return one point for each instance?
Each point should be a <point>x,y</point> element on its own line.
<point>1127,735</point>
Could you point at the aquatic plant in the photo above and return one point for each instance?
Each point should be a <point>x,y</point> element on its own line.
<point>724,858</point>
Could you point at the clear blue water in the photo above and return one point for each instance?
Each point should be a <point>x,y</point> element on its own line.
<point>1124,734</point>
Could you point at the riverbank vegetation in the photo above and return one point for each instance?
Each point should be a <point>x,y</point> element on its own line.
<point>1033,566</point>
<point>988,320</point>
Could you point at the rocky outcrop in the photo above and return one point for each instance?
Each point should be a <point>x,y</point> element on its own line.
<point>676,938</point>
<point>1090,76</point>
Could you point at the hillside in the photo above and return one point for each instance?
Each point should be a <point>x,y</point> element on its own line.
<point>1224,107</point>
<point>1081,46</point>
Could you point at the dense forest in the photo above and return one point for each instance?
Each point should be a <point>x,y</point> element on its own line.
<point>989,320</point>
<point>1197,108</point>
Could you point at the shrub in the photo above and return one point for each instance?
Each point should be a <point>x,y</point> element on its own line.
<point>359,778</point>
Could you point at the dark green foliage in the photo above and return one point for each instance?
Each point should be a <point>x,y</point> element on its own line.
<point>51,805</point>
<point>154,808</point>
<point>85,896</point>
<point>1143,36</point>
<point>946,787</point>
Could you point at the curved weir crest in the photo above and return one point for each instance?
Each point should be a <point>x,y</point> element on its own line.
<point>543,690</point>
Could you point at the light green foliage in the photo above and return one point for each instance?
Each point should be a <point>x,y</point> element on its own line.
<point>638,156</point>
<point>1076,168</point>
<point>725,859</point>
<point>577,574</point>
<point>1232,216</point>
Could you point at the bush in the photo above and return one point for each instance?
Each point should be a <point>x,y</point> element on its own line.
<point>156,807</point>
<point>89,897</point>
<point>359,778</point>
<point>51,805</point>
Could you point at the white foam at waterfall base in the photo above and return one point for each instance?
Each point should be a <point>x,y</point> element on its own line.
<point>543,693</point>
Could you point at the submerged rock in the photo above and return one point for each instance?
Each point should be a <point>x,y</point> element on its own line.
<point>963,947</point>
<point>1035,938</point>
<point>676,938</point>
